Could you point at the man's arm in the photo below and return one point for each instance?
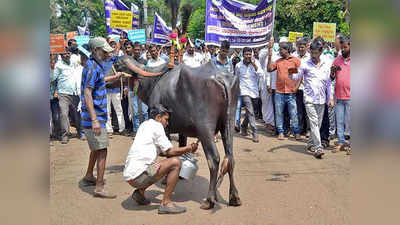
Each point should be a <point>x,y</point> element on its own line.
<point>89,105</point>
<point>177,151</point>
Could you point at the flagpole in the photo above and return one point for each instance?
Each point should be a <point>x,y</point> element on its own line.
<point>273,21</point>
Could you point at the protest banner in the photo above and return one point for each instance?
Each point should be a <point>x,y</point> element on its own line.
<point>71,35</point>
<point>242,24</point>
<point>57,43</point>
<point>137,35</point>
<point>110,5</point>
<point>294,35</point>
<point>82,39</point>
<point>325,30</point>
<point>161,31</point>
<point>121,19</point>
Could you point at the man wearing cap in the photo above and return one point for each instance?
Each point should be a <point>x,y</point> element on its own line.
<point>94,112</point>
<point>141,168</point>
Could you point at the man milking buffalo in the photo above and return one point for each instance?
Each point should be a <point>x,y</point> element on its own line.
<point>141,168</point>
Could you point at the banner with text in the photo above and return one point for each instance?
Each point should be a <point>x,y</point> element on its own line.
<point>325,30</point>
<point>242,24</point>
<point>161,31</point>
<point>110,5</point>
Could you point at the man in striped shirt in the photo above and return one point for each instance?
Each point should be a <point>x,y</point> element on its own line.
<point>94,112</point>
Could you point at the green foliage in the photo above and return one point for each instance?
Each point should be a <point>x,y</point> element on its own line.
<point>197,24</point>
<point>291,15</point>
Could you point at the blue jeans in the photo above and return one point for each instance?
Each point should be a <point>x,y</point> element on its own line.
<point>238,111</point>
<point>136,120</point>
<point>342,118</point>
<point>280,101</point>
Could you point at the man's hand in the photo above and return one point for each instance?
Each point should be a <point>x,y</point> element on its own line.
<point>96,128</point>
<point>194,147</point>
<point>56,94</point>
<point>331,103</point>
<point>269,89</point>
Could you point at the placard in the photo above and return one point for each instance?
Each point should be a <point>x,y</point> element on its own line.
<point>325,30</point>
<point>71,35</point>
<point>294,35</point>
<point>57,43</point>
<point>121,19</point>
<point>82,39</point>
<point>137,35</point>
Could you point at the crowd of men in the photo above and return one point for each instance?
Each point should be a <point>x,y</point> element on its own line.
<point>300,90</point>
<point>268,91</point>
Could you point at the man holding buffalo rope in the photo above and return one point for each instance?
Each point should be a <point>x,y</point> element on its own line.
<point>142,170</point>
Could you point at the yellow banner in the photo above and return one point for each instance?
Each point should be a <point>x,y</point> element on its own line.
<point>121,19</point>
<point>293,36</point>
<point>326,30</point>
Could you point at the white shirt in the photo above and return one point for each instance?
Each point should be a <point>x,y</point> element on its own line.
<point>303,60</point>
<point>272,76</point>
<point>150,140</point>
<point>194,60</point>
<point>317,81</point>
<point>154,63</point>
<point>248,78</point>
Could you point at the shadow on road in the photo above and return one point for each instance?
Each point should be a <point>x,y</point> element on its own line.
<point>86,188</point>
<point>115,169</point>
<point>186,190</point>
<point>295,148</point>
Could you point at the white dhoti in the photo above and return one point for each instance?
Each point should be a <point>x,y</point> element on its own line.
<point>266,99</point>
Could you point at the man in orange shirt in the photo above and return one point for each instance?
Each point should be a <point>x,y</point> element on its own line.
<point>285,87</point>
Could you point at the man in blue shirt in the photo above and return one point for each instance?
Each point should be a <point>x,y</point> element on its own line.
<point>94,112</point>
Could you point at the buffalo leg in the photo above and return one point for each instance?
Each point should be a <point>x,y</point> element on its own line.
<point>212,155</point>
<point>229,163</point>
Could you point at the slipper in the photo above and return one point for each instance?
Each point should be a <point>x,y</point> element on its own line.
<point>89,182</point>
<point>139,198</point>
<point>103,194</point>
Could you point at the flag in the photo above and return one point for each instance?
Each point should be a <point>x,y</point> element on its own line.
<point>119,5</point>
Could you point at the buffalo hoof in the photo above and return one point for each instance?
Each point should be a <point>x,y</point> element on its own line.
<point>207,204</point>
<point>235,201</point>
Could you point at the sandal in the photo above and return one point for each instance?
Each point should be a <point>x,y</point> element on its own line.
<point>139,198</point>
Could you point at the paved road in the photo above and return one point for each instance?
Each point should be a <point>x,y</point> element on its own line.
<point>278,182</point>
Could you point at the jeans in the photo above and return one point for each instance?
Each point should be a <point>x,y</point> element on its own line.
<point>302,114</point>
<point>249,117</point>
<point>280,101</point>
<point>55,117</point>
<point>324,130</point>
<point>238,111</point>
<point>139,110</point>
<point>342,118</point>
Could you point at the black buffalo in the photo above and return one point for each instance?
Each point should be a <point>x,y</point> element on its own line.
<point>203,102</point>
